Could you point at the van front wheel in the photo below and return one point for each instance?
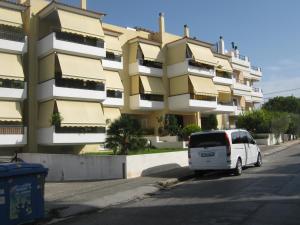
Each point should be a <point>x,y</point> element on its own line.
<point>239,168</point>
<point>259,161</point>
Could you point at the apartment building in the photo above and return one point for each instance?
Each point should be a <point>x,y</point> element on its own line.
<point>82,74</point>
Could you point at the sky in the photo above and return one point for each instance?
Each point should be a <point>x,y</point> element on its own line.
<point>267,31</point>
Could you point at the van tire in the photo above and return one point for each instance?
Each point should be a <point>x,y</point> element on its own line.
<point>239,167</point>
<point>259,161</point>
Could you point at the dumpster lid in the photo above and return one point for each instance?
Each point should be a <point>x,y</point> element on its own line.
<point>15,169</point>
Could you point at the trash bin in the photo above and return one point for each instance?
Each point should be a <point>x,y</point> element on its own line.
<point>21,193</point>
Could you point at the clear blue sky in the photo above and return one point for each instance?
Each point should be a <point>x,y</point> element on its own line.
<point>267,31</point>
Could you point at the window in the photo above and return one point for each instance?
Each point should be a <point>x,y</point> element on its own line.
<point>235,136</point>
<point>243,137</point>
<point>250,139</point>
<point>113,94</point>
<point>113,57</point>
<point>208,140</point>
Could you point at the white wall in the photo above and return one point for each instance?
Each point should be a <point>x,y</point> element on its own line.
<point>64,167</point>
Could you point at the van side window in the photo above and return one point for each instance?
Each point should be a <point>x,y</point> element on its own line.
<point>235,137</point>
<point>250,139</point>
<point>243,137</point>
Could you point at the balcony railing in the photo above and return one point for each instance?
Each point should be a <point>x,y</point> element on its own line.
<point>242,57</point>
<point>11,129</point>
<point>76,38</point>
<point>113,57</point>
<point>203,98</point>
<point>225,103</point>
<point>148,63</point>
<point>150,97</point>
<point>256,89</point>
<point>255,68</point>
<point>79,130</point>
<point>224,74</point>
<point>241,82</point>
<point>12,84</point>
<point>79,84</point>
<point>12,34</point>
<point>114,94</point>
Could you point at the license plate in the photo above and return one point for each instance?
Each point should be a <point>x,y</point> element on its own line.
<point>207,154</point>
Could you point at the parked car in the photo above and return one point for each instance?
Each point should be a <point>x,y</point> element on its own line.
<point>223,150</point>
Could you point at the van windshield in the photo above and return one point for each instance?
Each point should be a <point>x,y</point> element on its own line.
<point>207,140</point>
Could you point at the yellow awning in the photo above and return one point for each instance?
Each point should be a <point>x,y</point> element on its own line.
<point>10,17</point>
<point>112,114</point>
<point>202,54</point>
<point>203,86</point>
<point>152,85</point>
<point>223,88</point>
<point>11,67</point>
<point>151,52</point>
<point>113,44</point>
<point>10,111</point>
<point>74,67</point>
<point>80,114</point>
<point>80,24</point>
<point>224,65</point>
<point>113,80</point>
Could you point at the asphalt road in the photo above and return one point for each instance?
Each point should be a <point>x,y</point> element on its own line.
<point>266,195</point>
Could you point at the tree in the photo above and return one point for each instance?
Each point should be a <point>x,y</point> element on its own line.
<point>258,121</point>
<point>171,125</point>
<point>288,104</point>
<point>294,125</point>
<point>189,129</point>
<point>280,124</point>
<point>124,134</point>
<point>209,122</point>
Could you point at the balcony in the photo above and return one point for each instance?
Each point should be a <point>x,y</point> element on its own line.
<point>240,88</point>
<point>240,60</point>
<point>190,67</point>
<point>146,102</point>
<point>224,108</point>
<point>189,103</point>
<point>13,90</point>
<point>145,67</point>
<point>13,40</point>
<point>223,80</point>
<point>71,43</point>
<point>257,95</point>
<point>114,98</point>
<point>256,72</point>
<point>71,89</point>
<point>71,135</point>
<point>112,62</point>
<point>13,136</point>
<point>238,110</point>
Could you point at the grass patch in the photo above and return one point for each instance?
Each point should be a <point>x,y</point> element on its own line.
<point>140,152</point>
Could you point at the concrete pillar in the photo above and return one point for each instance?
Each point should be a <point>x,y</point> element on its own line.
<point>186,31</point>
<point>83,4</point>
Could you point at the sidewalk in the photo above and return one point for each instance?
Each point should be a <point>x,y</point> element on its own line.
<point>68,199</point>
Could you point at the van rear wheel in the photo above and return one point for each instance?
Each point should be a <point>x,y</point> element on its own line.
<point>239,168</point>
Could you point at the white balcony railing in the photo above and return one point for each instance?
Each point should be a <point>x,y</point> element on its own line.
<point>48,136</point>
<point>223,80</point>
<point>48,90</point>
<point>14,94</point>
<point>137,68</point>
<point>185,103</point>
<point>240,60</point>
<point>186,68</point>
<point>114,102</point>
<point>13,42</point>
<point>112,64</point>
<point>256,72</point>
<point>137,103</point>
<point>51,44</point>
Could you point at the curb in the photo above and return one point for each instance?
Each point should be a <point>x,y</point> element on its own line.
<point>280,148</point>
<point>173,181</point>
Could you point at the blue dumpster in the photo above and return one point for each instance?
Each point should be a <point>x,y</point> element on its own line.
<point>21,193</point>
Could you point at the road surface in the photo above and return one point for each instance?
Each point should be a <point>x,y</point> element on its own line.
<point>269,195</point>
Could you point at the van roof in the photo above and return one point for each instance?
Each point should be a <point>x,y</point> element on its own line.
<point>218,131</point>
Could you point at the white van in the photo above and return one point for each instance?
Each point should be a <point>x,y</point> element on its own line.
<point>223,150</point>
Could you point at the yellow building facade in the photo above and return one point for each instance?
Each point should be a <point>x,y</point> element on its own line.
<point>65,76</point>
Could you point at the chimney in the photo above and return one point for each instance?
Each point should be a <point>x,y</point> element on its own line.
<point>161,23</point>
<point>186,31</point>
<point>221,46</point>
<point>83,4</point>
